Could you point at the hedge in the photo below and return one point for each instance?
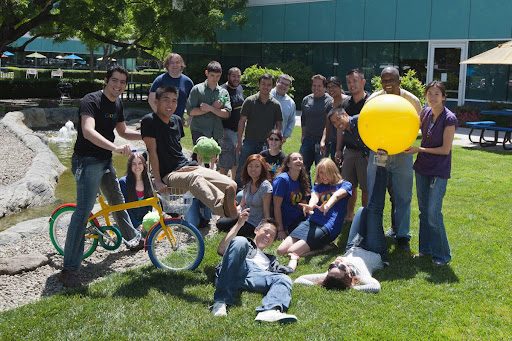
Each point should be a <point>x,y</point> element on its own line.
<point>45,88</point>
<point>137,76</point>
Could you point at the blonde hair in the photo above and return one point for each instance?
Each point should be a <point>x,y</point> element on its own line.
<point>332,171</point>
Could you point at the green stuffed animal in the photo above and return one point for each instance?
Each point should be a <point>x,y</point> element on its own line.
<point>206,148</point>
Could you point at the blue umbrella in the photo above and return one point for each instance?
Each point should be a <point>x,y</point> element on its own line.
<point>72,56</point>
<point>7,53</point>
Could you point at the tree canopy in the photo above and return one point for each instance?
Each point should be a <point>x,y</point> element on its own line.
<point>147,24</point>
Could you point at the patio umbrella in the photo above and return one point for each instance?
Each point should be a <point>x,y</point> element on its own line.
<point>73,56</point>
<point>132,52</point>
<point>500,55</point>
<point>8,54</point>
<point>108,58</point>
<point>36,56</point>
<point>58,57</point>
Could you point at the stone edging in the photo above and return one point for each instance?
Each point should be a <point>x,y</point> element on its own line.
<point>38,185</point>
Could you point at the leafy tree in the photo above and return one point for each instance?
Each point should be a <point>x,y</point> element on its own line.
<point>120,22</point>
<point>408,82</point>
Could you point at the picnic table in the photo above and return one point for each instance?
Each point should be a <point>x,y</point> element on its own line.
<point>135,91</point>
<point>491,125</point>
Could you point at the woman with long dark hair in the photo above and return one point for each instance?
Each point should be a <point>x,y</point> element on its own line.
<point>291,187</point>
<point>135,186</point>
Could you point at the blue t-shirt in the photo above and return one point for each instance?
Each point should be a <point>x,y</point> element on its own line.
<point>290,191</point>
<point>333,219</point>
<point>183,84</point>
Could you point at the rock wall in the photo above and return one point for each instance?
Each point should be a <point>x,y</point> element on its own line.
<point>38,185</point>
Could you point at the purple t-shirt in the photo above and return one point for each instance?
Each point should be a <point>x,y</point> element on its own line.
<point>333,219</point>
<point>428,164</point>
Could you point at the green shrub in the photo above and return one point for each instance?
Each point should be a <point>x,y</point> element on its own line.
<point>409,83</point>
<point>252,74</point>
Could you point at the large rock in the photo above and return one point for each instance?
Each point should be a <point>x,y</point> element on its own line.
<point>18,264</point>
<point>38,185</point>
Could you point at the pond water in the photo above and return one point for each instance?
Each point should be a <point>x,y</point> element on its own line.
<point>65,191</point>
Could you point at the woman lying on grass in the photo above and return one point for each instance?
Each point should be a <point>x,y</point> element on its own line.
<point>365,251</point>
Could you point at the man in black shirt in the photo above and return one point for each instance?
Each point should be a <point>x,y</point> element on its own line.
<point>99,114</point>
<point>162,132</point>
<point>228,158</point>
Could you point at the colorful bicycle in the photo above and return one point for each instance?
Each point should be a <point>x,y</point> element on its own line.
<point>172,243</point>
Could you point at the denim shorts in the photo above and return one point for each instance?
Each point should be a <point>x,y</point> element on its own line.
<point>315,235</point>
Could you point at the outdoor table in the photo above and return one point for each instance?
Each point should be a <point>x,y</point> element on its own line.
<point>496,129</point>
<point>135,90</point>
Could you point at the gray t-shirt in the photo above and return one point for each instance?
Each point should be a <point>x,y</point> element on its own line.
<point>255,201</point>
<point>314,115</point>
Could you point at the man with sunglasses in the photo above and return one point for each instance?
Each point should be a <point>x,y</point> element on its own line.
<point>244,266</point>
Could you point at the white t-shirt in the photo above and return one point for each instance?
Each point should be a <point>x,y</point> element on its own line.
<point>260,259</point>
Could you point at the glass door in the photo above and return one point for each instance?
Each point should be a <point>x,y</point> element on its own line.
<point>444,65</point>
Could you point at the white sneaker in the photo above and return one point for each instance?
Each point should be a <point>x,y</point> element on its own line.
<point>219,309</point>
<point>275,316</point>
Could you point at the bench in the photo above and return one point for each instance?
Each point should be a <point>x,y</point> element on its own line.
<point>475,125</point>
<point>506,138</point>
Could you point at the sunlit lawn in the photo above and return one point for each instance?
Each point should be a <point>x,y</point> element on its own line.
<point>470,299</point>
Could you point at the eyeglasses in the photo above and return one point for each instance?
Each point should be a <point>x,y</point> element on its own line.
<point>274,139</point>
<point>332,87</point>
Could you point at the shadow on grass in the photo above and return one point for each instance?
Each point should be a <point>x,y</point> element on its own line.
<point>404,266</point>
<point>492,150</point>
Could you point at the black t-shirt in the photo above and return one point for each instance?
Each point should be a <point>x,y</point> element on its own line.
<point>236,97</point>
<point>168,137</point>
<point>274,162</point>
<point>106,115</point>
<point>352,108</point>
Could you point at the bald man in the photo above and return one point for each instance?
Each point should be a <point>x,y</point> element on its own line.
<point>398,167</point>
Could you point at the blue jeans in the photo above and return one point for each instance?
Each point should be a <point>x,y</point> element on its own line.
<point>237,273</point>
<point>310,155</point>
<point>368,221</point>
<point>249,147</point>
<point>399,166</point>
<point>193,215</point>
<point>96,174</point>
<point>433,240</point>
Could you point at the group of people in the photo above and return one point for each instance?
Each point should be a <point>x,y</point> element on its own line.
<point>276,198</point>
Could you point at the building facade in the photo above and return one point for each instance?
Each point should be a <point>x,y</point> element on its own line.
<point>430,36</point>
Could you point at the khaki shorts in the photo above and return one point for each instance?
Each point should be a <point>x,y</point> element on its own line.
<point>354,168</point>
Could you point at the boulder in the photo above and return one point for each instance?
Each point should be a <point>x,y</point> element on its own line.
<point>18,264</point>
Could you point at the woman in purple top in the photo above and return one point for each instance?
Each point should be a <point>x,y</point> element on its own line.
<point>432,168</point>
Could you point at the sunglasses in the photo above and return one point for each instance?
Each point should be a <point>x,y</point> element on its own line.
<point>340,266</point>
<point>274,139</point>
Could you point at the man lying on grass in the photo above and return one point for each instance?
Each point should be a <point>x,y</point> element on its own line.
<point>244,266</point>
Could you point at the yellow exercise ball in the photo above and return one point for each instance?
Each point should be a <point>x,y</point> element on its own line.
<point>388,122</point>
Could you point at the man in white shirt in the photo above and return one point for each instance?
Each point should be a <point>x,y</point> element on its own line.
<point>284,82</point>
<point>244,266</point>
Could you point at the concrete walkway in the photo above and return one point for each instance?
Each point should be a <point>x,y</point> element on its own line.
<point>461,136</point>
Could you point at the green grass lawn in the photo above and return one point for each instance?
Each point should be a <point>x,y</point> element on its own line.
<point>470,299</point>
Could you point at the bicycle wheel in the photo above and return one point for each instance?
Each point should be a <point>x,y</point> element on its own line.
<point>59,224</point>
<point>110,238</point>
<point>185,254</point>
